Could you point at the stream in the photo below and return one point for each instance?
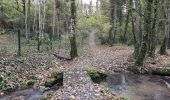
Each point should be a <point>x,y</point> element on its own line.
<point>27,94</point>
<point>138,87</point>
<point>133,87</point>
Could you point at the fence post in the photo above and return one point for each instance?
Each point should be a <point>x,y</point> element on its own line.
<point>19,43</point>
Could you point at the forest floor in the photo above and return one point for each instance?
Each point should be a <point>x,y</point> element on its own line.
<point>77,85</point>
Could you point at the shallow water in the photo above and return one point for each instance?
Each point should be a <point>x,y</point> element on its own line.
<point>137,87</point>
<point>28,94</point>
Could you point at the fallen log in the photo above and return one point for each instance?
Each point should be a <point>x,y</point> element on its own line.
<point>62,57</point>
<point>161,71</point>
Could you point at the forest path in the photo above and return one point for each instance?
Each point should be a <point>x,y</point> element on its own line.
<point>78,85</point>
<point>92,37</point>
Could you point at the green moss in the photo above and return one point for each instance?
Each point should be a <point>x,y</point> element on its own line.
<point>32,77</point>
<point>1,79</point>
<point>133,68</point>
<point>58,77</point>
<point>95,75</point>
<point>50,83</point>
<point>43,97</point>
<point>23,86</point>
<point>30,82</point>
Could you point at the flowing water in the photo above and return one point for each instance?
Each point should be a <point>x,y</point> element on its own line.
<point>135,87</point>
<point>28,94</point>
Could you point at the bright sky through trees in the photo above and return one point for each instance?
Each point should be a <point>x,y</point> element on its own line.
<point>88,1</point>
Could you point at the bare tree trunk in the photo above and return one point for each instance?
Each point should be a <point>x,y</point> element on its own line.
<point>168,44</point>
<point>73,51</point>
<point>127,22</point>
<point>35,18</point>
<point>29,18</point>
<point>138,31</point>
<point>26,19</point>
<point>54,16</point>
<point>148,25</point>
<point>152,33</point>
<point>44,17</point>
<point>115,22</point>
<point>110,39</point>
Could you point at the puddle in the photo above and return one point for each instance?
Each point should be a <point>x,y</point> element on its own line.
<point>135,87</point>
<point>28,94</point>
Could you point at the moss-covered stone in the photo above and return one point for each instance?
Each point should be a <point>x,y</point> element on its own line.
<point>23,86</point>
<point>32,77</point>
<point>161,71</point>
<point>1,79</point>
<point>95,75</point>
<point>30,82</point>
<point>43,97</point>
<point>58,77</point>
<point>50,83</point>
<point>133,69</point>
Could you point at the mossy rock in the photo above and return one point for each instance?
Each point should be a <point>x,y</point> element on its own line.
<point>161,71</point>
<point>134,69</point>
<point>23,86</point>
<point>50,83</point>
<point>30,82</point>
<point>58,77</point>
<point>1,79</point>
<point>9,89</point>
<point>43,97</point>
<point>32,77</point>
<point>96,76</point>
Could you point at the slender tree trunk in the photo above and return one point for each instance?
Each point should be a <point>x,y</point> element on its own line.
<point>111,22</point>
<point>44,17</point>
<point>54,16</point>
<point>164,46</point>
<point>115,22</point>
<point>138,30</point>
<point>73,51</point>
<point>126,22</point>
<point>168,44</point>
<point>19,43</point>
<point>35,18</point>
<point>26,19</point>
<point>152,34</point>
<point>29,17</point>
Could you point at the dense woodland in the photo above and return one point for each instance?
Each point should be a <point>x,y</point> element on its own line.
<point>46,39</point>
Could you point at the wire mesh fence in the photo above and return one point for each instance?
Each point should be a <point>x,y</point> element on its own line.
<point>9,43</point>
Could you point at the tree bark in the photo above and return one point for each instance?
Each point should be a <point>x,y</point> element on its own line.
<point>146,38</point>
<point>168,44</point>
<point>126,22</point>
<point>73,51</point>
<point>138,30</point>
<point>110,39</point>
